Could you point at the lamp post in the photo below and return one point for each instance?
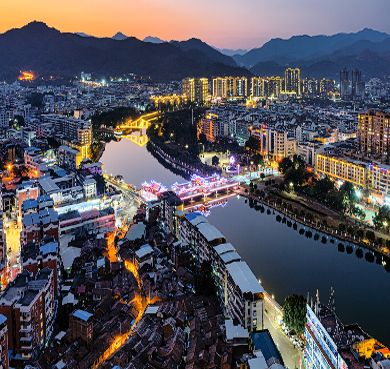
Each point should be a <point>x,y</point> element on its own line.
<point>238,166</point>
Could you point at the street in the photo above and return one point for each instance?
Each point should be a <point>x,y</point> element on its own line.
<point>290,354</point>
<point>13,243</point>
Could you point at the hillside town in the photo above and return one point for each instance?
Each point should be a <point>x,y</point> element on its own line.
<point>96,273</point>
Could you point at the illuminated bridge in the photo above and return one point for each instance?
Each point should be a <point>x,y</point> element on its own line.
<point>203,187</point>
<point>142,122</point>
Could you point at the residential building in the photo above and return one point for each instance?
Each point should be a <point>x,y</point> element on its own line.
<point>81,325</point>
<point>373,135</point>
<point>326,87</point>
<point>61,189</point>
<point>76,130</point>
<point>170,203</point>
<point>4,363</point>
<point>36,225</point>
<point>92,220</point>
<point>274,143</point>
<point>26,191</point>
<point>209,126</point>
<point>219,88</point>
<point>69,158</point>
<point>195,89</point>
<point>28,305</point>
<point>258,88</point>
<point>292,81</point>
<point>344,84</point>
<point>345,169</point>
<point>244,296</point>
<point>239,291</point>
<point>308,152</point>
<point>274,87</point>
<point>240,87</point>
<point>310,87</point>
<point>33,159</point>
<point>329,343</point>
<point>357,85</point>
<point>35,257</point>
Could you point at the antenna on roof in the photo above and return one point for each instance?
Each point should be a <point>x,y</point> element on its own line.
<point>331,305</point>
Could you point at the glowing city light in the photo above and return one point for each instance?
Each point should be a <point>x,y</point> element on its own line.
<point>232,160</point>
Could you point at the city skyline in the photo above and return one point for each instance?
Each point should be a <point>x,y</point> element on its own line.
<point>173,20</point>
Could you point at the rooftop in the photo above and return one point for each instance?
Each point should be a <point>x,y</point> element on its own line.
<point>136,231</point>
<point>209,232</point>
<point>235,331</point>
<point>224,247</point>
<point>244,278</point>
<point>144,251</point>
<point>28,297</point>
<point>82,315</point>
<point>263,342</point>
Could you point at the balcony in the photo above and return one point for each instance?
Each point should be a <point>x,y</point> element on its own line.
<point>25,338</point>
<point>25,328</point>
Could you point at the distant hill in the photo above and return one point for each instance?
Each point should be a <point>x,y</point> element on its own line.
<point>306,47</point>
<point>46,50</point>
<point>119,36</point>
<point>371,64</point>
<point>232,52</point>
<point>82,34</point>
<point>195,44</point>
<point>153,40</point>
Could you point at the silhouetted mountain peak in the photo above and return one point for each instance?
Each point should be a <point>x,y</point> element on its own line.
<point>119,36</point>
<point>153,40</point>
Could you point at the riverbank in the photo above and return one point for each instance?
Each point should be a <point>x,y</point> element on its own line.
<point>313,225</point>
<point>187,168</point>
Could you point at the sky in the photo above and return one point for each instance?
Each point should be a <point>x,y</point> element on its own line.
<point>221,23</point>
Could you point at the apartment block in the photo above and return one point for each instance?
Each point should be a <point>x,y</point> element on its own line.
<point>81,325</point>
<point>274,143</point>
<point>4,363</point>
<point>28,305</point>
<point>40,224</point>
<point>373,134</point>
<point>72,129</point>
<point>258,88</point>
<point>35,257</point>
<point>239,291</point>
<point>292,81</point>
<point>345,169</point>
<point>69,158</point>
<point>196,89</point>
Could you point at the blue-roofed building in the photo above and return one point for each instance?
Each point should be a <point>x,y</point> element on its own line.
<point>264,347</point>
<point>81,325</point>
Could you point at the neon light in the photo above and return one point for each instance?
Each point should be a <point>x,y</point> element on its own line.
<point>151,191</point>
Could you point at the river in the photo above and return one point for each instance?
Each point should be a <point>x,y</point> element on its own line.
<point>285,261</point>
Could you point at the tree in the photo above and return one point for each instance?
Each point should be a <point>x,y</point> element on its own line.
<point>324,222</point>
<point>359,233</point>
<point>285,164</point>
<point>215,160</point>
<point>370,235</point>
<point>262,176</point>
<point>253,144</point>
<point>342,227</point>
<point>203,281</point>
<point>295,312</point>
<point>350,230</point>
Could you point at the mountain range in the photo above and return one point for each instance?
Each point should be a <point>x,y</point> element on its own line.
<point>46,50</point>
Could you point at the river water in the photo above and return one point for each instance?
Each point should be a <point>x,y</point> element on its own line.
<point>285,261</point>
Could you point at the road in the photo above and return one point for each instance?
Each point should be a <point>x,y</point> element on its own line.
<point>290,354</point>
<point>13,243</point>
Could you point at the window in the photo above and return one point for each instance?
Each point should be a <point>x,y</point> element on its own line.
<point>254,312</point>
<point>254,322</point>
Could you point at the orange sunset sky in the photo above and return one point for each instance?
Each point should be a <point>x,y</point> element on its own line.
<point>222,23</point>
